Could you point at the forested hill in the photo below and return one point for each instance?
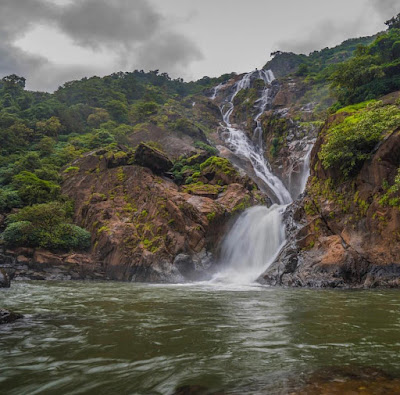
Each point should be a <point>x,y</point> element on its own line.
<point>42,133</point>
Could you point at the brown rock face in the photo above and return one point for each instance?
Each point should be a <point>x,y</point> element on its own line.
<point>140,221</point>
<point>152,158</point>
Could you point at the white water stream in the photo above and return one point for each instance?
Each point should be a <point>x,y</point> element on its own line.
<point>258,235</point>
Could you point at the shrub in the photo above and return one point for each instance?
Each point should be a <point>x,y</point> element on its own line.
<point>46,226</point>
<point>9,199</point>
<point>206,147</point>
<point>32,189</point>
<point>18,234</point>
<point>351,142</point>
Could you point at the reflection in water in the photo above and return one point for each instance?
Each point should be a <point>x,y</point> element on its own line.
<point>135,338</point>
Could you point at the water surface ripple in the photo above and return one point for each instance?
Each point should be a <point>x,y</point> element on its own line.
<point>102,338</point>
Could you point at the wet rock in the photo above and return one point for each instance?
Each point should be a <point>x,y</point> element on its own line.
<point>4,279</point>
<point>184,263</point>
<point>152,158</point>
<point>157,272</point>
<point>195,267</point>
<point>196,390</point>
<point>349,380</point>
<point>7,317</point>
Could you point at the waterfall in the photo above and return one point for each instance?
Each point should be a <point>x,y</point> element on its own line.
<point>252,244</point>
<point>216,90</point>
<point>258,235</point>
<point>242,146</point>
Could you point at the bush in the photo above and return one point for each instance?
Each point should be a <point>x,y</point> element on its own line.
<point>46,226</point>
<point>32,189</point>
<point>9,199</point>
<point>64,237</point>
<point>351,142</point>
<point>47,215</point>
<point>208,148</point>
<point>18,234</point>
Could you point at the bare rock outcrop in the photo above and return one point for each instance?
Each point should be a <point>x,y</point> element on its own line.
<point>141,222</point>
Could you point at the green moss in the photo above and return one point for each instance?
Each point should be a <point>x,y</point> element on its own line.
<point>71,169</point>
<point>243,205</point>
<point>104,228</point>
<point>215,163</point>
<point>121,175</point>
<point>211,216</point>
<point>310,208</point>
<point>390,198</point>
<point>120,155</point>
<point>201,188</point>
<point>355,107</point>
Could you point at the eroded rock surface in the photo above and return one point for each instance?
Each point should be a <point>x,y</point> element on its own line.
<point>143,224</point>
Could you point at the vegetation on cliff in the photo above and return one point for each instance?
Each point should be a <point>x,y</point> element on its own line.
<point>42,133</point>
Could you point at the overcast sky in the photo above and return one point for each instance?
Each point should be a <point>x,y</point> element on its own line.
<point>53,41</point>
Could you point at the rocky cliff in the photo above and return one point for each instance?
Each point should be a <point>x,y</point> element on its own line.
<point>345,233</point>
<point>147,228</point>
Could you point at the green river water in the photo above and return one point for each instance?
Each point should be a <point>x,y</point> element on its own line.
<point>125,338</point>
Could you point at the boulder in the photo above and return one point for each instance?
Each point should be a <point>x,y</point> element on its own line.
<point>152,158</point>
<point>7,317</point>
<point>4,279</point>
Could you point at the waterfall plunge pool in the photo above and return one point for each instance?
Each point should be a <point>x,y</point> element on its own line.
<point>126,338</point>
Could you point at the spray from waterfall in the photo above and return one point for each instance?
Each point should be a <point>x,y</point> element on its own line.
<point>258,235</point>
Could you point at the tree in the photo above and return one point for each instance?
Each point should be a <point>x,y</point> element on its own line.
<point>32,189</point>
<point>118,110</point>
<point>393,23</point>
<point>99,116</point>
<point>50,127</point>
<point>14,80</point>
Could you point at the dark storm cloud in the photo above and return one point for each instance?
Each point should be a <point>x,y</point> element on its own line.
<point>133,32</point>
<point>109,22</point>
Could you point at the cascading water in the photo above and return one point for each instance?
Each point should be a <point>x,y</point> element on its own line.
<point>252,244</point>
<point>242,146</point>
<point>258,235</point>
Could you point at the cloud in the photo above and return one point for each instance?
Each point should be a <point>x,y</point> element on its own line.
<point>173,51</point>
<point>325,34</point>
<point>97,23</point>
<point>385,8</point>
<point>133,33</point>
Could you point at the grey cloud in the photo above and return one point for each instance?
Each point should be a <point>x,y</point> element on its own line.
<point>134,33</point>
<point>385,8</point>
<point>18,16</point>
<point>325,34</point>
<point>109,22</point>
<point>173,51</point>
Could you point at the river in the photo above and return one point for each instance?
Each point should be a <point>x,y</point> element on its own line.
<point>126,338</point>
